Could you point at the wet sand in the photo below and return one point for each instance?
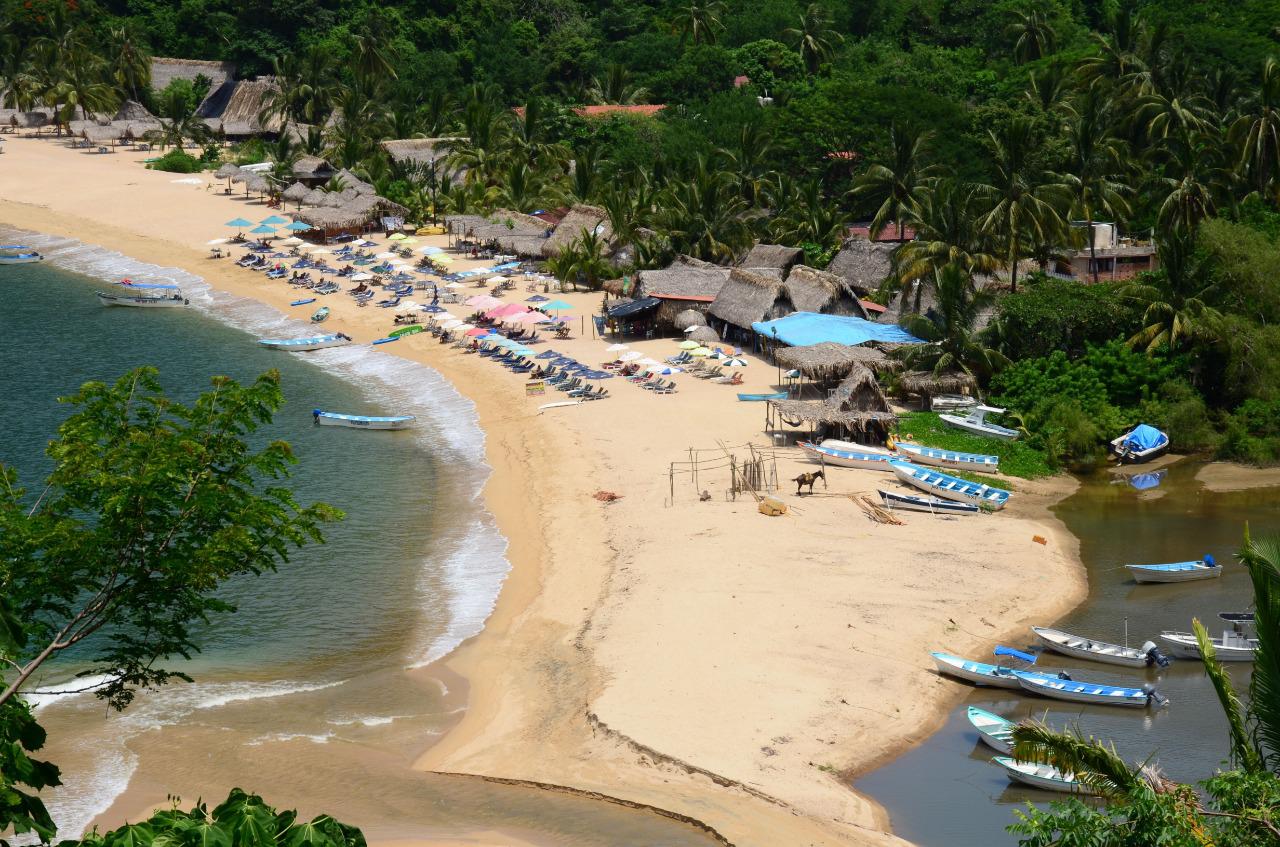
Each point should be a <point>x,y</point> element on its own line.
<point>1230,476</point>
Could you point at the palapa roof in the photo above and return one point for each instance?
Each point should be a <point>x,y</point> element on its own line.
<point>357,213</point>
<point>523,235</point>
<point>132,110</point>
<point>579,220</point>
<point>315,197</point>
<point>750,295</point>
<point>862,264</point>
<point>703,333</point>
<point>312,167</point>
<point>422,151</point>
<point>28,120</point>
<point>165,71</point>
<point>236,107</point>
<point>771,256</point>
<point>813,290</point>
<point>688,318</point>
<point>856,403</point>
<point>102,134</point>
<point>829,360</point>
<point>684,279</point>
<point>296,192</point>
<point>930,383</point>
<point>227,170</point>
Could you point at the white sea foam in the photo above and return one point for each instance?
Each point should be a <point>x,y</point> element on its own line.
<point>44,694</point>
<point>323,738</point>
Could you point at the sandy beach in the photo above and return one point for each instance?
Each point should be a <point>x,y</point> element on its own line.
<point>687,655</point>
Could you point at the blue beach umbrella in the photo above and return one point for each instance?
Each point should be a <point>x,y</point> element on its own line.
<point>297,226</point>
<point>274,220</point>
<point>263,230</point>
<point>537,298</point>
<point>557,304</point>
<point>239,222</point>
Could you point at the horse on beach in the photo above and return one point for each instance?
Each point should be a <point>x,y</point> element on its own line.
<point>809,479</point>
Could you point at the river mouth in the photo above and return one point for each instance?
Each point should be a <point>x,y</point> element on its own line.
<point>947,791</point>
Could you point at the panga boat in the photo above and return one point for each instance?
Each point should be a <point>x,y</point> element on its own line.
<point>315,342</point>
<point>1231,647</point>
<point>914,503</point>
<point>976,422</point>
<point>1206,568</point>
<point>303,301</point>
<point>756,398</point>
<point>386,340</point>
<point>983,673</point>
<point>361,421</point>
<point>950,487</point>
<point>996,732</point>
<point>870,458</point>
<point>321,314</point>
<point>405,330</point>
<point>1140,444</point>
<point>1090,692</point>
<point>1238,618</point>
<point>951,402</point>
<point>1067,644</point>
<point>948,458</point>
<point>150,295</point>
<point>1041,776</point>
<point>18,254</point>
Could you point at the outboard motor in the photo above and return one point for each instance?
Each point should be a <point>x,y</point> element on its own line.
<point>1064,675</point>
<point>1154,656</point>
<point>1154,698</point>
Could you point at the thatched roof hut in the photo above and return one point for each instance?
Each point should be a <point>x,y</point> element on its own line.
<point>771,256</point>
<point>29,120</point>
<point>296,193</point>
<point>236,108</point>
<point>357,214</point>
<point>258,183</point>
<point>134,112</point>
<point>861,264</point>
<point>353,185</point>
<point>165,71</point>
<point>315,197</point>
<point>312,168</point>
<point>688,318</point>
<point>227,171</point>
<point>813,290</point>
<point>929,384</point>
<point>857,404</point>
<point>703,333</point>
<point>831,361</point>
<point>512,232</point>
<point>102,134</point>
<point>750,296</point>
<point>424,151</point>
<point>685,284</point>
<point>581,219</point>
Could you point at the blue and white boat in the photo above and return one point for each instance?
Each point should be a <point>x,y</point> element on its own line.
<point>1046,777</point>
<point>147,295</point>
<point>1206,568</point>
<point>324,418</point>
<point>976,422</point>
<point>952,459</point>
<point>870,458</point>
<point>996,732</point>
<point>950,487</point>
<point>315,342</point>
<point>18,254</point>
<point>1140,444</point>
<point>1090,692</point>
<point>932,505</point>
<point>983,673</point>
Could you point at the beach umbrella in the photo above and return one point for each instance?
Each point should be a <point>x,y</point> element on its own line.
<point>430,250</point>
<point>701,351</point>
<point>612,348</point>
<point>483,301</point>
<point>496,279</point>
<point>631,356</point>
<point>525,318</point>
<point>213,241</point>
<point>507,309</point>
<point>263,230</point>
<point>704,333</point>
<point>361,277</point>
<point>227,171</point>
<point>292,241</point>
<point>647,361</point>
<point>443,259</point>
<point>556,305</point>
<point>665,370</point>
<point>734,362</point>
<point>397,236</point>
<point>274,220</point>
<point>689,318</point>
<point>690,345</point>
<point>297,226</point>
<point>537,298</point>
<point>548,354</point>
<point>385,256</point>
<point>238,223</point>
<point>318,250</point>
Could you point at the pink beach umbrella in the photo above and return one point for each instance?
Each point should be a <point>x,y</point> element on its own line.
<point>526,318</point>
<point>483,301</point>
<point>504,310</point>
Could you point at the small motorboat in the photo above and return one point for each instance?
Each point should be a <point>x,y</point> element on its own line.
<point>321,315</point>
<point>952,459</point>
<point>996,732</point>
<point>406,330</point>
<point>1095,693</point>
<point>983,673</point>
<point>386,340</point>
<point>1041,776</point>
<point>1238,618</point>
<point>868,458</point>
<point>1230,647</point>
<point>1146,656</point>
<point>315,342</point>
<point>951,402</point>
<point>303,302</point>
<point>949,487</point>
<point>19,254</point>
<point>1205,568</point>
<point>977,423</point>
<point>757,398</point>
<point>147,295</point>
<point>933,505</point>
<point>324,418</point>
<point>1140,444</point>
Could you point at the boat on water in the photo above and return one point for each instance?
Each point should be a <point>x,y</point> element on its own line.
<point>951,402</point>
<point>1205,568</point>
<point>1229,647</point>
<point>303,301</point>
<point>949,487</point>
<point>952,459</point>
<point>406,330</point>
<point>933,505</point>
<point>757,398</point>
<point>324,418</point>
<point>1140,444</point>
<point>1238,618</point>
<point>1077,646</point>
<point>321,315</point>
<point>1041,776</point>
<point>977,423</point>
<point>983,673</point>
<point>19,254</point>
<point>996,732</point>
<point>147,295</point>
<point>315,342</point>
<point>1096,693</point>
<point>868,458</point>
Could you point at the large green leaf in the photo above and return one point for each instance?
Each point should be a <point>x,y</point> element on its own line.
<point>1243,751</point>
<point>130,835</point>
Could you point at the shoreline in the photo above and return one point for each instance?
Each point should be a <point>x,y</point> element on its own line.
<point>556,685</point>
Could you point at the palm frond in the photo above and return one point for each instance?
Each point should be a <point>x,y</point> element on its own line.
<point>1093,763</point>
<point>1262,558</point>
<point>1244,754</point>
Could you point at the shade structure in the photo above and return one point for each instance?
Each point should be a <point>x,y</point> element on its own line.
<point>239,222</point>
<point>297,226</point>
<point>556,305</point>
<point>630,356</point>
<point>397,236</point>
<point>263,229</point>
<point>689,318</point>
<point>701,351</point>
<point>430,250</point>
<point>537,298</point>
<point>689,345</point>
<point>227,171</point>
<point>615,347</point>
<point>703,333</point>
<point>505,309</point>
<point>274,220</point>
<point>292,241</point>
<point>476,332</point>
<point>801,329</point>
<point>361,277</point>
<point>483,301</point>
<point>296,192</point>
<point>733,362</point>
<point>442,259</point>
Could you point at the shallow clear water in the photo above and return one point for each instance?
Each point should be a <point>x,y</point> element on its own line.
<point>947,792</point>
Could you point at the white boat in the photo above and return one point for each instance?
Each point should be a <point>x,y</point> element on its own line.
<point>19,254</point>
<point>147,295</point>
<point>1231,647</point>
<point>952,459</point>
<point>976,422</point>
<point>1100,651</point>
<point>951,402</point>
<point>362,421</point>
<point>932,505</point>
<point>996,732</point>
<point>1206,568</point>
<point>982,673</point>
<point>950,487</point>
<point>870,458</point>
<point>1046,777</point>
<point>1095,693</point>
<point>1140,444</point>
<point>300,345</point>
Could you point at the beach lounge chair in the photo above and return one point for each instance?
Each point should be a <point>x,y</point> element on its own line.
<point>709,373</point>
<point>599,394</point>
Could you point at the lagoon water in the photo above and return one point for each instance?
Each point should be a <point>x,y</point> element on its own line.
<point>948,792</point>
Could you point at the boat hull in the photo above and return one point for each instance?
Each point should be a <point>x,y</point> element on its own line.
<point>980,428</point>
<point>994,731</point>
<point>1146,573</point>
<point>1084,692</point>
<point>303,345</point>
<point>363,422</point>
<point>758,398</point>
<point>1087,648</point>
<point>950,488</point>
<point>931,505</point>
<point>949,458</point>
<point>951,403</point>
<point>1183,645</point>
<point>846,459</point>
<point>21,260</point>
<point>1045,777</point>
<point>142,302</point>
<point>981,673</point>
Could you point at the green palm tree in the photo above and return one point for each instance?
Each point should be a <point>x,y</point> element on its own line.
<point>897,183</point>
<point>130,62</point>
<point>617,86</point>
<point>1257,133</point>
<point>1034,37</point>
<point>748,161</point>
<point>699,22</point>
<point>81,78</point>
<point>950,341</point>
<point>178,120</point>
<point>704,216</point>
<point>520,189</point>
<point>815,38</point>
<point>1193,176</point>
<point>585,260</point>
<point>1094,179</point>
<point>946,217</point>
<point>1175,299</point>
<point>807,217</point>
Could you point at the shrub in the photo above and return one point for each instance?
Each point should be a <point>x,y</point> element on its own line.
<point>1058,315</point>
<point>1181,413</point>
<point>1253,433</point>
<point>178,162</point>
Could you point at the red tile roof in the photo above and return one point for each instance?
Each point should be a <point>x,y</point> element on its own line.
<point>889,233</point>
<point>872,307</point>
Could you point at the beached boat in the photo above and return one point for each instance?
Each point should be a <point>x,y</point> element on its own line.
<point>361,421</point>
<point>977,423</point>
<point>982,673</point>
<point>949,487</point>
<point>147,295</point>
<point>1046,777</point>
<point>1096,693</point>
<point>386,340</point>
<point>315,342</point>
<point>996,732</point>
<point>19,254</point>
<point>1230,647</point>
<point>406,330</point>
<point>951,402</point>
<point>952,459</point>
<point>1148,655</point>
<point>870,459</point>
<point>303,301</point>
<point>1140,444</point>
<point>1206,568</point>
<point>933,505</point>
<point>321,315</point>
<point>756,398</point>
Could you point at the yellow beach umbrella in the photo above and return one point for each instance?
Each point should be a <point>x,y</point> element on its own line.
<point>444,260</point>
<point>397,236</point>
<point>690,345</point>
<point>701,351</point>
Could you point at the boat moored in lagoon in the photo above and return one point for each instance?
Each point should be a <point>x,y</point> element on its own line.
<point>1230,647</point>
<point>19,254</point>
<point>324,418</point>
<point>299,345</point>
<point>977,423</point>
<point>1140,444</point>
<point>1046,777</point>
<point>1148,655</point>
<point>994,731</point>
<point>952,459</point>
<point>867,458</point>
<point>932,505</point>
<point>147,295</point>
<point>1075,691</point>
<point>983,673</point>
<point>1205,568</point>
<point>949,487</point>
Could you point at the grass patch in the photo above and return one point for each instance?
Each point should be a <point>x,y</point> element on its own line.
<point>1016,458</point>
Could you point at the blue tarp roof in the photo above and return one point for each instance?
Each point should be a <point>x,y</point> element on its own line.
<point>635,307</point>
<point>802,329</point>
<point>1144,437</point>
